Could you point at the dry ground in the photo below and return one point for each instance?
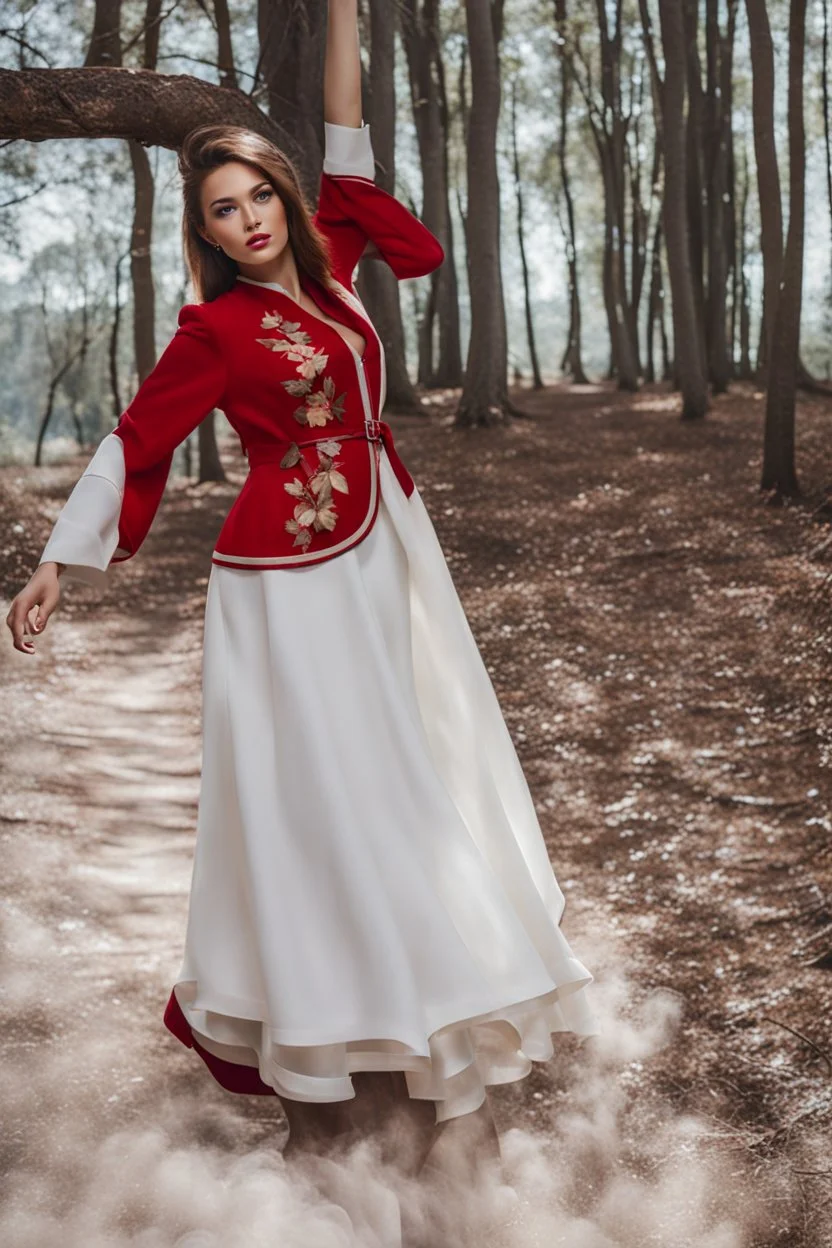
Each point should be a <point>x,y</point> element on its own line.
<point>650,630</point>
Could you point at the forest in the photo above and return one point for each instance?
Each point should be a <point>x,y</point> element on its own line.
<point>613,184</point>
<point>615,394</point>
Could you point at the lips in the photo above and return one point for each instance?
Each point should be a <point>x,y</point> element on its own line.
<point>258,239</point>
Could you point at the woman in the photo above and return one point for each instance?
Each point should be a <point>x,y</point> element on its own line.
<point>373,924</point>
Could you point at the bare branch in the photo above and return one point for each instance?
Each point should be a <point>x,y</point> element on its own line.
<point>18,199</point>
<point>105,102</point>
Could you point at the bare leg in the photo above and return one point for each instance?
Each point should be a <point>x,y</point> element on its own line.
<point>404,1126</point>
<point>463,1144</point>
<point>315,1127</point>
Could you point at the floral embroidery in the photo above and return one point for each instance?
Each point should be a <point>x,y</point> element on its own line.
<point>315,509</point>
<point>321,405</point>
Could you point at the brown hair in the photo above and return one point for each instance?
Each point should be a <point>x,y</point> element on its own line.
<point>208,147</point>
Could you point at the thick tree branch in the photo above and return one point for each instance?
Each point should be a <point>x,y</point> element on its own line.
<point>103,102</point>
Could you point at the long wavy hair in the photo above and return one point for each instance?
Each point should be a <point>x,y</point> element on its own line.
<point>208,147</point>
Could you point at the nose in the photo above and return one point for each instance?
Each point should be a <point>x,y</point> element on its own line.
<point>252,221</point>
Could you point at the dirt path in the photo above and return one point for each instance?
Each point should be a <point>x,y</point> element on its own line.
<point>644,620</point>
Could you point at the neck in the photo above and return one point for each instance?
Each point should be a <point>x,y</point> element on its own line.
<point>281,271</point>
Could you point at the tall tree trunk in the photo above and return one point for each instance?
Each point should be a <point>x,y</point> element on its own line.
<point>422,44</point>
<point>730,237</point>
<point>292,57</point>
<point>688,356</point>
<point>718,131</point>
<point>521,242</point>
<point>779,476</point>
<point>449,371</point>
<point>655,301</point>
<point>768,173</point>
<point>610,138</point>
<point>695,171</point>
<point>378,285</point>
<point>106,44</point>
<point>484,399</point>
<point>112,346</point>
<point>105,40</point>
<point>225,50</point>
<point>141,267</point>
<point>639,216</point>
<point>745,370</point>
<point>572,363</point>
<point>827,127</point>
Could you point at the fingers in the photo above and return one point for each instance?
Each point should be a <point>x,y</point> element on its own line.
<point>30,612</point>
<point>48,602</point>
<point>16,620</point>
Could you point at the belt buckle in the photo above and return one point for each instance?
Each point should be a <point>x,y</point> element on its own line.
<point>373,429</point>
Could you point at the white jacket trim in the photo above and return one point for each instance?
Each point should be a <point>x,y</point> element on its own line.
<point>85,535</point>
<point>348,150</point>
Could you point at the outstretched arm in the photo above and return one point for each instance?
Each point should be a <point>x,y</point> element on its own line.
<point>342,69</point>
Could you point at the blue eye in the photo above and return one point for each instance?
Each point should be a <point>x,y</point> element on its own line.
<point>266,191</point>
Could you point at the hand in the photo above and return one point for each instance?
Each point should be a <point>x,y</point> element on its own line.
<point>40,595</point>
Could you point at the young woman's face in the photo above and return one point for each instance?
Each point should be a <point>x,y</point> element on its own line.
<point>240,205</point>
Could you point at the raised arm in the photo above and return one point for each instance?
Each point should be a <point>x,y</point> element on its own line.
<point>342,68</point>
<point>357,216</point>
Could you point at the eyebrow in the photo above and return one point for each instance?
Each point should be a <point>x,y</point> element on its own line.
<point>229,199</point>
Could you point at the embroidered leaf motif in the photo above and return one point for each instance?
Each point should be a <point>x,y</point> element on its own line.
<point>297,387</point>
<point>291,457</point>
<point>326,518</point>
<point>305,514</point>
<point>296,352</point>
<point>318,408</point>
<point>315,510</point>
<point>302,536</point>
<point>327,480</point>
<point>291,329</point>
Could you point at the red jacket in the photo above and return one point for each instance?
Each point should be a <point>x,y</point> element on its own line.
<point>304,404</point>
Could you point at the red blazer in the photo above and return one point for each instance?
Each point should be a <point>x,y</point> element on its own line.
<point>305,406</point>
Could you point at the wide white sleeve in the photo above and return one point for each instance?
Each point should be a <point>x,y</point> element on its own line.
<point>85,535</point>
<point>349,150</point>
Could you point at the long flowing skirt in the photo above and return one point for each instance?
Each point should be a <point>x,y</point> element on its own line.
<point>371,889</point>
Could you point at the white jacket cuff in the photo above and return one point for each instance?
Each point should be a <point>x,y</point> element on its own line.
<point>85,535</point>
<point>349,149</point>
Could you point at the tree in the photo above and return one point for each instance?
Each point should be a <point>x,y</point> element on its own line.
<point>377,283</point>
<point>521,243</point>
<point>609,126</point>
<point>720,189</point>
<point>779,476</point>
<point>673,89</point>
<point>768,172</point>
<point>572,362</point>
<point>423,48</point>
<point>484,399</point>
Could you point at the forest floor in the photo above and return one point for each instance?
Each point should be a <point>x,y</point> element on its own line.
<point>652,630</point>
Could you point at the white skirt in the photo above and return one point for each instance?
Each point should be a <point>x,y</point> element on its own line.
<point>371,889</point>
